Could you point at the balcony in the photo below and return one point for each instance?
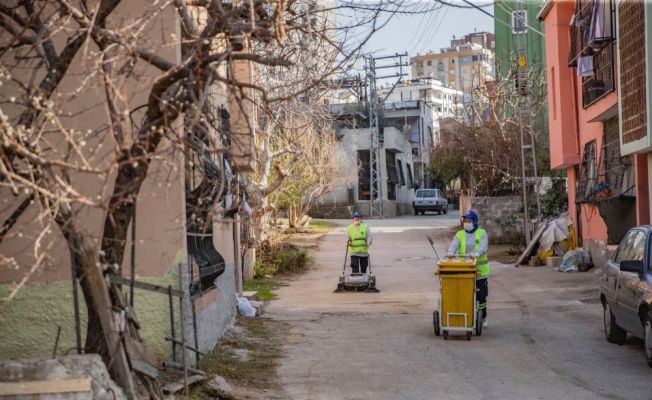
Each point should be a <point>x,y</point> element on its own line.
<point>592,28</point>
<point>599,84</point>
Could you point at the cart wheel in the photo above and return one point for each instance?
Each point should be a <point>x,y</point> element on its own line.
<point>435,322</point>
<point>468,335</point>
<point>445,335</point>
<point>478,323</point>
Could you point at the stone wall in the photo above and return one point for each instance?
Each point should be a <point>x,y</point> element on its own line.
<point>62,368</point>
<point>501,218</point>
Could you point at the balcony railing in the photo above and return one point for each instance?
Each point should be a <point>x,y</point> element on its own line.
<point>592,28</point>
<point>601,82</point>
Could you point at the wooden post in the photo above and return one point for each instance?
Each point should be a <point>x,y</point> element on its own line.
<point>118,363</point>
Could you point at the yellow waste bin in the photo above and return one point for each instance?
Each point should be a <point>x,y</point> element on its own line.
<point>457,309</point>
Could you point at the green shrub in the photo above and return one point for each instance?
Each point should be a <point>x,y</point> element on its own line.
<point>281,259</point>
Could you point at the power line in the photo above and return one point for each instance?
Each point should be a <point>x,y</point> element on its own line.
<point>498,19</point>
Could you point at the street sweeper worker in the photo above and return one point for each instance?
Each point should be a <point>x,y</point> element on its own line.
<point>473,241</point>
<point>359,240</point>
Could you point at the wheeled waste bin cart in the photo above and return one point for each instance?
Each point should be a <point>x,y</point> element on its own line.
<point>457,310</point>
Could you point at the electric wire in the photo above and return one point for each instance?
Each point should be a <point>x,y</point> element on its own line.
<point>498,19</point>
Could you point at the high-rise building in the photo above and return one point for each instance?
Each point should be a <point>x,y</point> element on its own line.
<point>465,65</point>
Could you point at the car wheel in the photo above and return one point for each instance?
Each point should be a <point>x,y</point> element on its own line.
<point>435,322</point>
<point>416,212</point>
<point>446,210</point>
<point>648,340</point>
<point>613,332</point>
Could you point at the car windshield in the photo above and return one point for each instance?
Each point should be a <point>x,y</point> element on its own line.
<point>427,193</point>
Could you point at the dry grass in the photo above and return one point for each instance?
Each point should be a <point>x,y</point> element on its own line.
<point>259,340</point>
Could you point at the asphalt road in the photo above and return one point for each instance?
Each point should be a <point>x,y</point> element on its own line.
<point>544,340</point>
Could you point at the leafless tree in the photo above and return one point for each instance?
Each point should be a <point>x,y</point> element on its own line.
<point>150,86</point>
<point>482,150</point>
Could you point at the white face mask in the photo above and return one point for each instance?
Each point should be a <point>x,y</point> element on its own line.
<point>468,226</point>
<point>356,222</point>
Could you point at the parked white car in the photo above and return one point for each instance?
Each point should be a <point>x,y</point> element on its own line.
<point>429,200</point>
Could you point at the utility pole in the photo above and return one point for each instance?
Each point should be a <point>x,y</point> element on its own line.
<point>522,86</point>
<point>377,139</point>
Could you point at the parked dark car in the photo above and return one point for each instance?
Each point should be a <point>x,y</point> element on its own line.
<point>429,200</point>
<point>626,290</point>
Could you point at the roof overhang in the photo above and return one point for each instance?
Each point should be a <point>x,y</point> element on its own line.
<point>606,114</point>
<point>545,9</point>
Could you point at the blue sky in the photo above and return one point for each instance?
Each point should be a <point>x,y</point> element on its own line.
<point>431,30</point>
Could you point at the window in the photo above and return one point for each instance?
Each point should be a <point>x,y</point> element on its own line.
<point>588,175</point>
<point>419,64</point>
<point>594,28</point>
<point>364,187</point>
<point>597,73</point>
<point>519,21</point>
<point>475,58</point>
<point>632,247</point>
<point>429,63</point>
<point>401,177</point>
<point>392,176</point>
<point>427,193</point>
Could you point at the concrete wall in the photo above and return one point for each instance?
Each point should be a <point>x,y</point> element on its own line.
<point>500,217</point>
<point>562,124</point>
<point>337,203</point>
<point>215,312</point>
<point>28,323</point>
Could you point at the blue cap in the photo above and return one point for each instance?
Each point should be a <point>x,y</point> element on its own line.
<point>473,217</point>
<point>357,214</point>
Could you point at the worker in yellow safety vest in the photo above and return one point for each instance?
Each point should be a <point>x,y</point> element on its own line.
<point>359,240</point>
<point>472,233</point>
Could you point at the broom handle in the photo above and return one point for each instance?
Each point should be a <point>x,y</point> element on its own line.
<point>346,255</point>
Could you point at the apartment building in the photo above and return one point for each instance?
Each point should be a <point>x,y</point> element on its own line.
<point>442,101</point>
<point>461,66</point>
<point>598,102</point>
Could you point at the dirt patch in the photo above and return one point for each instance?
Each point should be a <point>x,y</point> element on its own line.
<point>504,253</point>
<point>247,357</point>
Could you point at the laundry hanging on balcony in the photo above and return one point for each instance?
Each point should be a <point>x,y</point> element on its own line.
<point>597,29</point>
<point>585,66</point>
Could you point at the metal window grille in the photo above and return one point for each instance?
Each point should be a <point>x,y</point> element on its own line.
<point>616,175</point>
<point>602,81</point>
<point>588,175</point>
<point>592,27</point>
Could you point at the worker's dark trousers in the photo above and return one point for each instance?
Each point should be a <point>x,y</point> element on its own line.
<point>482,291</point>
<point>359,264</point>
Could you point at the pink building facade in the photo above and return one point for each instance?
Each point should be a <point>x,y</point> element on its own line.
<point>607,188</point>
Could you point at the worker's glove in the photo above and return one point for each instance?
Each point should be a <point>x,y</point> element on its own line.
<point>449,256</point>
<point>474,255</point>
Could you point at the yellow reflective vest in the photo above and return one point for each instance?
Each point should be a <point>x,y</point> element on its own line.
<point>482,262</point>
<point>358,237</point>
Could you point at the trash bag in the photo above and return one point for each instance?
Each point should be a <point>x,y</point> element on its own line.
<point>573,259</point>
<point>245,309</point>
